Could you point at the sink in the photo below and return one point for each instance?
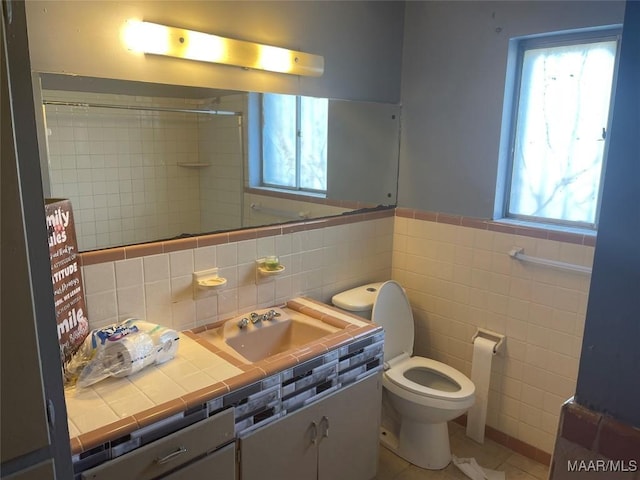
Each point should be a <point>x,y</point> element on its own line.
<point>287,331</point>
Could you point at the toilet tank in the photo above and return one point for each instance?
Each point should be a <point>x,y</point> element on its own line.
<point>359,300</point>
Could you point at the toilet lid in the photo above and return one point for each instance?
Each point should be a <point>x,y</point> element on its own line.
<point>431,378</point>
<point>392,312</point>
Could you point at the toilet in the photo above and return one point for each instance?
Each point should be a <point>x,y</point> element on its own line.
<point>421,393</point>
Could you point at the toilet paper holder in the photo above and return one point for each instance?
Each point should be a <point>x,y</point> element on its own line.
<point>489,335</point>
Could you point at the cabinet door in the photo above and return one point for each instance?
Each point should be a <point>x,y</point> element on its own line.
<point>283,450</point>
<point>349,426</point>
<point>41,471</point>
<point>220,465</point>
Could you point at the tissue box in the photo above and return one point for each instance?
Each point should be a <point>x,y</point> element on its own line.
<point>68,293</point>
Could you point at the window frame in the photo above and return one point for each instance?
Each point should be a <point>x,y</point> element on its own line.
<point>298,160</point>
<point>557,39</point>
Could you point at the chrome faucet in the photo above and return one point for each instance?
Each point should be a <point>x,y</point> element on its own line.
<point>257,318</point>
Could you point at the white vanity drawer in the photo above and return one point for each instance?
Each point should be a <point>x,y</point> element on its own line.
<point>220,465</point>
<point>169,452</point>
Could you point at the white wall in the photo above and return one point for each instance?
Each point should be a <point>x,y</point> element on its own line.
<point>453,79</point>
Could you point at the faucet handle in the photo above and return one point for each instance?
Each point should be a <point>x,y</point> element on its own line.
<point>271,315</point>
<point>243,323</point>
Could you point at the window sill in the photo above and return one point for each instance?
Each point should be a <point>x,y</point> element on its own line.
<point>560,233</point>
<point>284,193</point>
<point>547,226</point>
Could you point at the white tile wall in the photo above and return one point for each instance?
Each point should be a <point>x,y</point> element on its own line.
<point>158,288</point>
<point>459,279</point>
<point>222,183</point>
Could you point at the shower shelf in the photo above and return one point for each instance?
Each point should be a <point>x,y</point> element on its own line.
<point>194,165</point>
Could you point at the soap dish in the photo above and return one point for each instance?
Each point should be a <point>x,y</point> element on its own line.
<point>212,282</point>
<point>208,279</point>
<point>266,272</point>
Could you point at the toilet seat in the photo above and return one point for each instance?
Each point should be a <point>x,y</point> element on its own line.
<point>397,375</point>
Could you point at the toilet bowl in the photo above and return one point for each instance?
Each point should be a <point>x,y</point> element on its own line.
<point>424,393</point>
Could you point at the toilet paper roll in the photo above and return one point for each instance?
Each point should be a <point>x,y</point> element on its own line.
<point>480,376</point>
<point>165,339</point>
<point>128,354</point>
<point>166,345</point>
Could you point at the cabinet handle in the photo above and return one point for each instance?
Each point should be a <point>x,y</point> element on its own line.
<point>171,456</point>
<point>314,433</point>
<point>325,420</point>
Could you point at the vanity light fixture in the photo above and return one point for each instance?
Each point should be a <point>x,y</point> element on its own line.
<point>159,39</point>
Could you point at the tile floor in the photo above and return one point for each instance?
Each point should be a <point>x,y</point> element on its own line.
<point>490,455</point>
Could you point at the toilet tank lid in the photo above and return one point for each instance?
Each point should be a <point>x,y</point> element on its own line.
<point>357,299</point>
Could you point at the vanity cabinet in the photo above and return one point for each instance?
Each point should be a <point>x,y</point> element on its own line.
<point>192,453</point>
<point>335,438</point>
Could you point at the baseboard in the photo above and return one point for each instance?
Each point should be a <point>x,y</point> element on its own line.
<point>512,443</point>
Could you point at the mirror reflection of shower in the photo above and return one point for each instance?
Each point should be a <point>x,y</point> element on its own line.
<point>138,169</point>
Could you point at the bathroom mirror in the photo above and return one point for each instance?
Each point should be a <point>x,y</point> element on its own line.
<point>143,162</point>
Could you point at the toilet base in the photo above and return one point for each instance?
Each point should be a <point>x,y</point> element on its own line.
<point>424,444</point>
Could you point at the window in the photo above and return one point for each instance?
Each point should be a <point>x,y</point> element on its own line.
<point>558,128</point>
<point>294,142</point>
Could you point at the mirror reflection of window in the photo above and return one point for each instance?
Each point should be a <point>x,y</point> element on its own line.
<point>294,142</point>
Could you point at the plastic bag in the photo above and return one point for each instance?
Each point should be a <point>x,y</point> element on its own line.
<point>119,350</point>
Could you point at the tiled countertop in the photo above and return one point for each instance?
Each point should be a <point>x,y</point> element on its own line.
<point>199,372</point>
<point>113,399</point>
